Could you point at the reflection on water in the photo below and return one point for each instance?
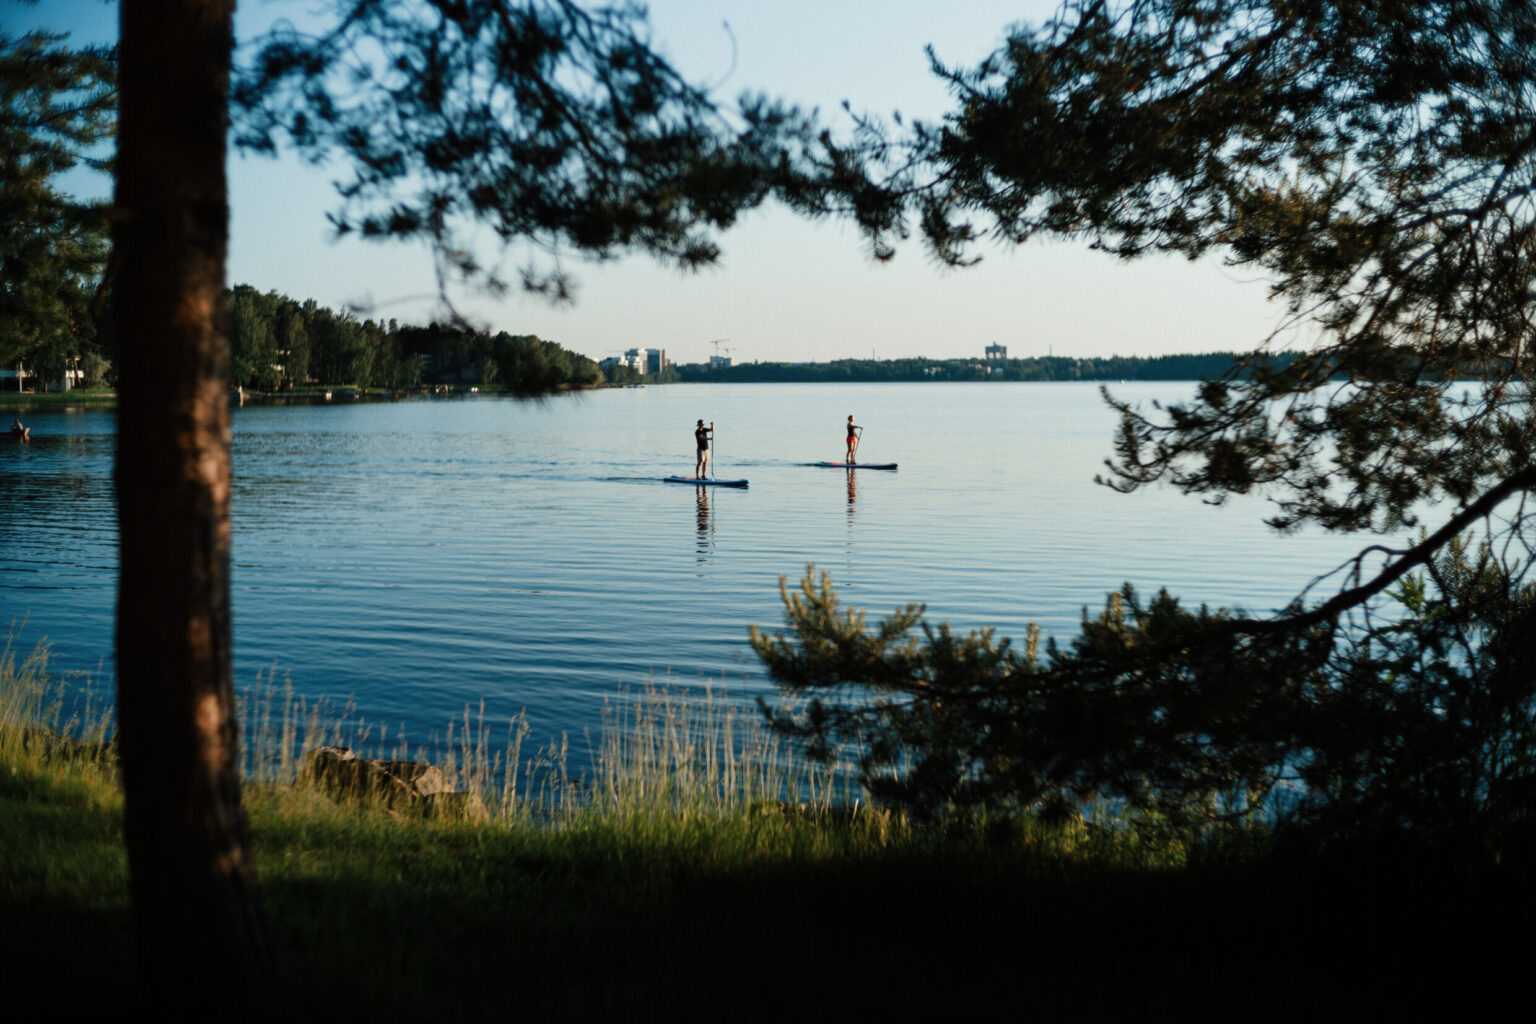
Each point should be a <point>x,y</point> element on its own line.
<point>422,555</point>
<point>705,546</point>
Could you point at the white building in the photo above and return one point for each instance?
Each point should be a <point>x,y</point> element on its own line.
<point>22,379</point>
<point>646,360</point>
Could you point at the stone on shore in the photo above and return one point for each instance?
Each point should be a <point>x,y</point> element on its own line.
<point>402,786</point>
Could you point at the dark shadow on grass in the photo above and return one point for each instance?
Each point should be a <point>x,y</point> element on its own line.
<point>914,938</point>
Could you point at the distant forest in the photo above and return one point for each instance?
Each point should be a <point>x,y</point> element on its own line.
<point>1175,367</point>
<point>278,343</point>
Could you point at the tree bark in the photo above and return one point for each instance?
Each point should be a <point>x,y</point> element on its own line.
<point>197,915</point>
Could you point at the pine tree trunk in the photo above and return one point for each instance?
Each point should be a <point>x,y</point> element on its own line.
<point>197,915</point>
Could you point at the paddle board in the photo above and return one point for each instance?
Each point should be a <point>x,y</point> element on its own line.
<point>854,465</point>
<point>704,481</point>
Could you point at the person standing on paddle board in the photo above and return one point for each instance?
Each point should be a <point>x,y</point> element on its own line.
<point>853,440</point>
<point>701,435</point>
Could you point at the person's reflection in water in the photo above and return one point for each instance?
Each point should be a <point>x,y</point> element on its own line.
<point>706,539</point>
<point>853,493</point>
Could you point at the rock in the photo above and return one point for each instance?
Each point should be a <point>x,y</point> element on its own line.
<point>423,779</point>
<point>456,806</point>
<point>402,786</point>
<point>53,746</point>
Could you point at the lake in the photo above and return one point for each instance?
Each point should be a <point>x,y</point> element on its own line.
<point>423,555</point>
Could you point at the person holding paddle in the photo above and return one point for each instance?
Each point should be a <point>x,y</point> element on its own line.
<point>701,435</point>
<point>853,439</point>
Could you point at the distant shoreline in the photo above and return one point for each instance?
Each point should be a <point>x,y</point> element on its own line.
<point>105,397</point>
<point>1034,369</point>
<point>1048,370</point>
<point>56,399</point>
<point>1183,366</point>
<point>46,400</point>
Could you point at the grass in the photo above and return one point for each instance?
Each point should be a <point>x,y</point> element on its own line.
<point>671,879</point>
<point>22,400</point>
<point>15,402</point>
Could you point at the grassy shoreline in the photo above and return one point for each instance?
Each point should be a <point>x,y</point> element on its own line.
<point>657,899</point>
<point>52,400</point>
<point>14,401</point>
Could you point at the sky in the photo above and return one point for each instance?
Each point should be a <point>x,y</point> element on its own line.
<point>786,289</point>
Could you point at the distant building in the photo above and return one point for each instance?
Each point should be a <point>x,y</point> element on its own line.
<point>22,379</point>
<point>997,353</point>
<point>645,360</point>
<point>719,362</point>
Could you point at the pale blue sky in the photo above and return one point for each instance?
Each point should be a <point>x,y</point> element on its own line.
<point>786,289</point>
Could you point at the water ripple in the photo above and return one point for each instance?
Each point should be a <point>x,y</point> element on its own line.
<point>420,556</point>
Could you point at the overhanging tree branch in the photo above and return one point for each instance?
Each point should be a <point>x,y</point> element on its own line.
<point>1414,557</point>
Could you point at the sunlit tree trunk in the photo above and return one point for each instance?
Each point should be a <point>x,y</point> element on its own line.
<point>198,921</point>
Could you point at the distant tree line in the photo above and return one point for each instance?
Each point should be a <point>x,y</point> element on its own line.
<point>57,114</point>
<point>279,343</point>
<point>1171,367</point>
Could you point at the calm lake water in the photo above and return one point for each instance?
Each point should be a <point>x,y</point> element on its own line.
<point>422,555</point>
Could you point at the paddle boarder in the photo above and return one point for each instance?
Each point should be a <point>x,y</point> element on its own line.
<point>853,440</point>
<point>701,435</point>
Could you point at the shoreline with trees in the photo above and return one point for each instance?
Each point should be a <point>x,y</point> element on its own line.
<point>279,344</point>
<point>1190,367</point>
<point>291,349</point>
